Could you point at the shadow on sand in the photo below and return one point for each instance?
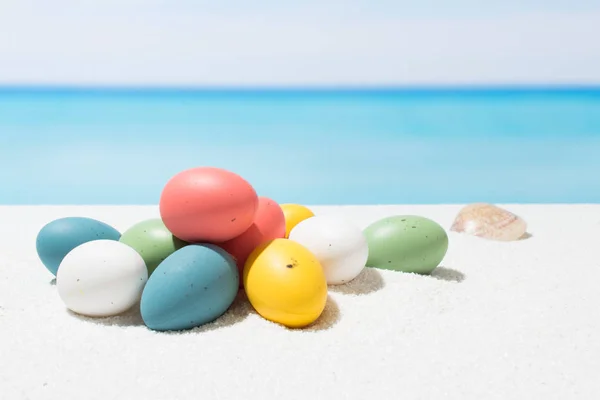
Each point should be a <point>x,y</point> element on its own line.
<point>368,281</point>
<point>241,309</point>
<point>525,236</point>
<point>131,317</point>
<point>237,312</point>
<point>447,274</point>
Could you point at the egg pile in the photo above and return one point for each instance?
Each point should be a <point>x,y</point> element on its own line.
<point>214,236</point>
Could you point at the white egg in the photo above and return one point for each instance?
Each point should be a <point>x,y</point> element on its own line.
<point>101,278</point>
<point>339,245</point>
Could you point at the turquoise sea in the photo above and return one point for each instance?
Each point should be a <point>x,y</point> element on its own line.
<point>379,146</point>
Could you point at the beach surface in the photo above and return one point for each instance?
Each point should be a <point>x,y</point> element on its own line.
<point>516,320</point>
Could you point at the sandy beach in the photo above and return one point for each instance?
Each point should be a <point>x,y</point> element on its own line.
<point>516,320</point>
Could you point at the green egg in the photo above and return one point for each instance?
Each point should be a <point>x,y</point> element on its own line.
<point>153,241</point>
<point>406,243</point>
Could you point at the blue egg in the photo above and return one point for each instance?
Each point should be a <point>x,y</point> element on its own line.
<point>194,285</point>
<point>59,237</point>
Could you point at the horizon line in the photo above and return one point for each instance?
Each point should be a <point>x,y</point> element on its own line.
<point>392,88</point>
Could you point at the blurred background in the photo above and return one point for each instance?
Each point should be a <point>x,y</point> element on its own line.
<point>320,102</point>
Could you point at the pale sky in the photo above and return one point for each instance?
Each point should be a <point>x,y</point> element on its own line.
<point>317,42</point>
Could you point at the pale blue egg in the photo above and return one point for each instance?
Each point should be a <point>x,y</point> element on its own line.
<point>194,285</point>
<point>59,237</point>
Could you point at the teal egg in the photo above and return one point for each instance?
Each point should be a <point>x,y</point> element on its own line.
<point>406,243</point>
<point>194,285</point>
<point>59,237</point>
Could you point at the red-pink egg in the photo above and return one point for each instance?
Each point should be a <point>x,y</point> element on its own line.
<point>269,224</point>
<point>207,204</point>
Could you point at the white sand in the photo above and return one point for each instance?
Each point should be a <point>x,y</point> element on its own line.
<point>516,320</point>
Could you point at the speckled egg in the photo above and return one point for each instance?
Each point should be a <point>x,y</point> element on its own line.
<point>153,241</point>
<point>207,204</point>
<point>101,278</point>
<point>194,285</point>
<point>406,243</point>
<point>285,283</point>
<point>339,245</point>
<point>59,237</point>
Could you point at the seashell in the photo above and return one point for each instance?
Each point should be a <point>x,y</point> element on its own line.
<point>489,222</point>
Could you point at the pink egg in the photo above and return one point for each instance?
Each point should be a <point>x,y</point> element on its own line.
<point>269,224</point>
<point>207,204</point>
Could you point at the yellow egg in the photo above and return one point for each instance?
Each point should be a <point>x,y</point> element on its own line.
<point>285,283</point>
<point>294,214</point>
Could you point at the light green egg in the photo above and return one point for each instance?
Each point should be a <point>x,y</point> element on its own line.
<point>406,243</point>
<point>153,241</point>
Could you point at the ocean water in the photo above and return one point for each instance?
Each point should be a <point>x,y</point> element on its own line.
<point>307,146</point>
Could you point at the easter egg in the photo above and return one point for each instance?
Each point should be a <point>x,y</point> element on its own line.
<point>339,245</point>
<point>285,283</point>
<point>406,243</point>
<point>207,204</point>
<point>152,240</point>
<point>60,236</point>
<point>194,285</point>
<point>269,223</point>
<point>294,214</point>
<point>101,278</point>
